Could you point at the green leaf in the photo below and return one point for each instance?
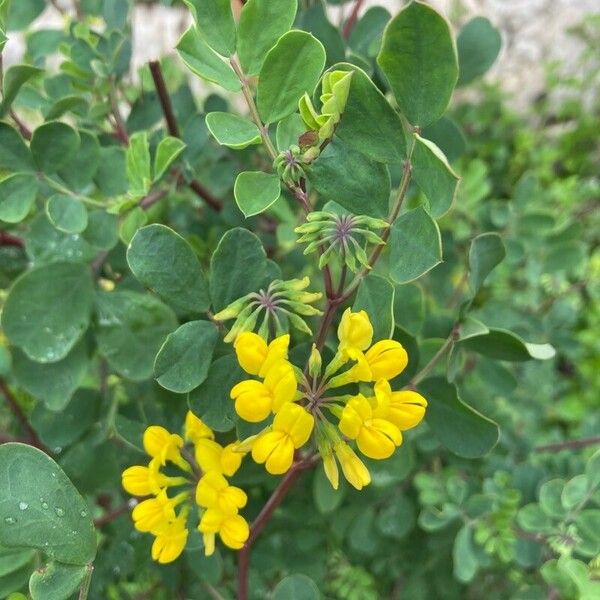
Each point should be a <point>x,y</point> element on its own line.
<point>376,295</point>
<point>12,559</point>
<point>130,225</point>
<point>259,28</point>
<point>369,124</point>
<point>22,12</point>
<point>418,57</point>
<point>60,429</point>
<point>205,62</point>
<point>131,329</point>
<point>215,24</point>
<point>463,555</point>
<point>291,69</point>
<point>41,508</point>
<point>211,400</point>
<point>448,136</point>
<point>575,491</point>
<point>101,231</point>
<point>232,130</point>
<point>415,245</point>
<point>434,176</point>
<point>111,176</point>
<point>81,169</point>
<point>486,252</point>
<point>470,327</point>
<point>139,172</point>
<point>289,131</point>
<point>17,196</point>
<point>397,519</point>
<point>53,383</point>
<point>255,191</point>
<point>14,78</point>
<point>501,344</point>
<point>167,151</point>
<point>296,587</point>
<point>182,362</point>
<point>48,309</point>
<point>592,469</point>
<point>409,308</point>
<point>365,37</point>
<point>351,179</point>
<point>532,518</point>
<point>459,427</point>
<point>56,581</point>
<point>74,104</point>
<point>315,20</point>
<point>550,502</point>
<point>478,45</point>
<point>237,267</point>
<point>67,213</point>
<point>151,255</point>
<point>14,154</point>
<point>53,145</point>
<point>326,498</point>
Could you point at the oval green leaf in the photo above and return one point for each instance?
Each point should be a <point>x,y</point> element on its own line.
<point>376,295</point>
<point>418,57</point>
<point>459,427</point>
<point>151,255</point>
<point>17,195</point>
<point>255,191</point>
<point>14,154</point>
<point>486,252</point>
<point>232,130</point>
<point>56,581</point>
<point>296,587</point>
<point>182,362</point>
<point>53,145</point>
<point>40,507</point>
<point>291,68</point>
<point>48,309</point>
<point>67,213</point>
<point>215,24</point>
<point>478,45</point>
<point>415,245</point>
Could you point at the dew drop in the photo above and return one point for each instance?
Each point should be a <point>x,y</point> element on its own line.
<point>44,503</point>
<point>10,520</point>
<point>83,513</point>
<point>59,512</point>
<point>23,505</point>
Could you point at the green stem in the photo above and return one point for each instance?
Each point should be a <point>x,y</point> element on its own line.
<point>84,590</point>
<point>64,190</point>
<point>446,346</point>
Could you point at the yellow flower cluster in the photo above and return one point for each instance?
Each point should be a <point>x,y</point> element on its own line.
<point>375,420</point>
<point>276,393</point>
<point>203,466</point>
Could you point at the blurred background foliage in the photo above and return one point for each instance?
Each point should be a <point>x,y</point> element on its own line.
<point>522,522</point>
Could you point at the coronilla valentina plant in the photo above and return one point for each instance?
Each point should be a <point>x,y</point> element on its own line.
<point>256,341</point>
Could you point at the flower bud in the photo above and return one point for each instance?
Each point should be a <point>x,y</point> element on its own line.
<point>314,362</point>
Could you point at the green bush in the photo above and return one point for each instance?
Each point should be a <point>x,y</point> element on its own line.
<point>418,255</point>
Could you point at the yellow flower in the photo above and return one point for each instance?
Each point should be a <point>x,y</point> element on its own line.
<point>253,354</point>
<point>376,437</point>
<point>353,468</point>
<point>355,333</point>
<point>291,429</point>
<point>164,446</point>
<point>211,456</point>
<point>196,429</point>
<point>170,540</point>
<point>144,481</point>
<point>331,470</point>
<point>404,409</point>
<point>152,514</point>
<point>386,359</point>
<point>232,529</point>
<point>213,491</point>
<point>254,400</point>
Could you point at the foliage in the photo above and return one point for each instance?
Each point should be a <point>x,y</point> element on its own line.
<point>144,226</point>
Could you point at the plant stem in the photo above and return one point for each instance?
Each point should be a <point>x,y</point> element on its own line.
<point>569,444</point>
<point>264,130</point>
<point>435,359</point>
<point>17,411</point>
<point>173,129</point>
<point>120,128</point>
<point>352,19</point>
<point>7,239</point>
<point>263,518</point>
<point>109,517</point>
<point>84,590</point>
<point>152,198</point>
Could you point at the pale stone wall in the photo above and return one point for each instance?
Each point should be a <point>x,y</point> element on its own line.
<point>534,32</point>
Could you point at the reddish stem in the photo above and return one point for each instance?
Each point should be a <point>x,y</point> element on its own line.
<point>7,239</point>
<point>349,25</point>
<point>570,444</point>
<point>110,516</point>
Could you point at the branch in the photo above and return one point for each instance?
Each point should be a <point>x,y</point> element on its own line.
<point>17,411</point>
<point>110,516</point>
<point>7,239</point>
<point>262,519</point>
<point>173,129</point>
<point>25,131</point>
<point>147,201</point>
<point>570,444</point>
<point>352,19</point>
